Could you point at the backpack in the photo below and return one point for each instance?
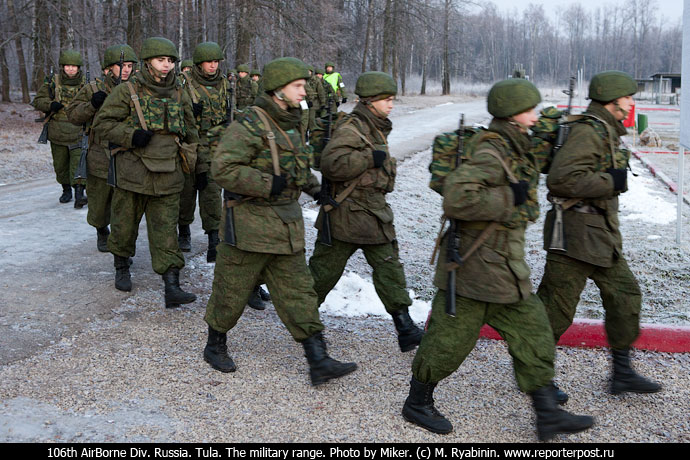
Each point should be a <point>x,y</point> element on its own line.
<point>445,149</point>
<point>549,135</point>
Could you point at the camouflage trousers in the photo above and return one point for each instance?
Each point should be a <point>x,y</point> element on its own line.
<point>100,198</point>
<point>449,340</point>
<point>563,282</point>
<point>209,203</point>
<point>65,163</point>
<point>128,208</point>
<point>287,277</point>
<point>328,263</point>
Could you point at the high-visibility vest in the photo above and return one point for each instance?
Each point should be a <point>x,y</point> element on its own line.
<point>334,79</point>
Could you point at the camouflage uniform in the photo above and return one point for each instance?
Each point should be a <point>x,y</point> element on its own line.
<point>318,99</point>
<point>246,89</point>
<point>269,228</point>
<point>149,177</point>
<point>335,80</point>
<point>64,136</point>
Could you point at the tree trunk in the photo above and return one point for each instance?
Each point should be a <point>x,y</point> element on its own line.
<point>5,73</point>
<point>21,61</point>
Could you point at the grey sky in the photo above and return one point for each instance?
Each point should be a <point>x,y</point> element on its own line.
<point>670,9</point>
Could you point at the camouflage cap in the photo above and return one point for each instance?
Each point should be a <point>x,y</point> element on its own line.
<point>511,97</point>
<point>112,55</point>
<point>279,72</point>
<point>158,46</point>
<point>70,57</point>
<point>207,51</point>
<point>243,68</point>
<point>371,84</point>
<point>186,63</point>
<point>610,85</point>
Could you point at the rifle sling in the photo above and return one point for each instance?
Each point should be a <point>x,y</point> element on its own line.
<point>264,117</point>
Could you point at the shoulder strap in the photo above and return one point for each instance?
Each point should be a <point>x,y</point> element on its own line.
<point>263,116</point>
<point>58,93</point>
<point>493,153</point>
<point>137,106</point>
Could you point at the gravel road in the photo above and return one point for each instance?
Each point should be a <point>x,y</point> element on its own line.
<point>82,362</point>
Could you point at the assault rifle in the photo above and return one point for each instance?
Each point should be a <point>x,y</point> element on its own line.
<point>230,101</point>
<point>453,259</point>
<point>80,172</point>
<point>230,198</point>
<point>43,138</point>
<point>564,128</point>
<point>325,236</point>
<point>112,169</point>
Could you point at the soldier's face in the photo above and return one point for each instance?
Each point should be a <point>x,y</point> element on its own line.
<point>384,106</point>
<point>210,67</point>
<point>625,105</point>
<point>329,69</point>
<point>255,77</point>
<point>320,75</point>
<point>243,74</point>
<point>71,70</point>
<point>294,91</point>
<point>162,64</point>
<point>126,70</point>
<point>185,69</point>
<point>528,118</point>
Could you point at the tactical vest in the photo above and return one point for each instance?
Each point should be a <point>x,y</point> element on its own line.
<point>214,100</point>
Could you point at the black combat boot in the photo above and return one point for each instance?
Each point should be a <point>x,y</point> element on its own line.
<point>419,408</point>
<point>551,419</point>
<point>322,367</point>
<point>255,300</point>
<point>409,335</point>
<point>66,196</point>
<point>265,296</point>
<point>216,351</point>
<point>561,396</point>
<point>212,244</point>
<point>174,295</point>
<point>625,379</point>
<point>102,239</point>
<point>123,280</point>
<point>80,199</point>
<point>184,240</point>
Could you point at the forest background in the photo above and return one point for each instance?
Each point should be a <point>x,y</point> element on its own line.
<point>422,43</point>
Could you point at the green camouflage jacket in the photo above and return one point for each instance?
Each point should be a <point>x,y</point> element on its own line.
<point>246,91</point>
<point>157,168</point>
<point>478,193</point>
<point>578,170</point>
<point>213,93</point>
<point>63,89</point>
<point>81,112</point>
<point>319,99</point>
<point>242,164</point>
<point>364,217</point>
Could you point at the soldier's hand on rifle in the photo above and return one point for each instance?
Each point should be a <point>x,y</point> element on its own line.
<point>379,158</point>
<point>141,138</point>
<point>55,106</point>
<point>97,99</point>
<point>520,191</point>
<point>323,198</point>
<point>278,185</point>
<point>197,108</point>
<point>201,181</point>
<point>620,178</point>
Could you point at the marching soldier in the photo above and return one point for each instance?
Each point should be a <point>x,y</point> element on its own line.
<point>361,172</point>
<point>264,165</point>
<point>151,127</point>
<point>247,89</point>
<point>56,93</point>
<point>82,111</point>
<point>186,65</point>
<point>256,75</point>
<point>589,173</point>
<point>492,195</point>
<point>335,80</point>
<point>319,100</point>
<point>210,94</point>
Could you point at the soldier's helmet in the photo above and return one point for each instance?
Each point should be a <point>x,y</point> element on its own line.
<point>207,51</point>
<point>158,46</point>
<point>610,85</point>
<point>329,64</point>
<point>279,72</point>
<point>243,68</point>
<point>255,72</point>
<point>112,55</point>
<point>186,63</point>
<point>319,71</point>
<point>370,84</point>
<point>70,57</point>
<point>512,97</point>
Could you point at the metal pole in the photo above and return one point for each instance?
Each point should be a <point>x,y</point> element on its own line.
<point>681,181</point>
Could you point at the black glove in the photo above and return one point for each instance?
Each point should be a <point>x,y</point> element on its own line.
<point>310,104</point>
<point>55,106</point>
<point>323,198</point>
<point>141,138</point>
<point>379,158</point>
<point>520,191</point>
<point>201,181</point>
<point>98,98</point>
<point>279,183</point>
<point>197,108</point>
<point>344,100</point>
<point>620,178</point>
